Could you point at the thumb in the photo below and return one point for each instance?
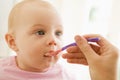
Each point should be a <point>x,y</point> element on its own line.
<point>85,47</point>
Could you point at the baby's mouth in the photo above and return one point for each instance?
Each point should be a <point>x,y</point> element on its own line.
<point>52,53</point>
<point>49,54</point>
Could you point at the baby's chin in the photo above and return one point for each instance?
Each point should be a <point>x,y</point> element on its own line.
<point>49,66</point>
<point>54,60</point>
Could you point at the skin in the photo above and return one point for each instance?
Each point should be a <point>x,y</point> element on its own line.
<point>33,33</point>
<point>101,58</point>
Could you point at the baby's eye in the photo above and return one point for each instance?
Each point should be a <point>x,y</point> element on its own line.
<point>41,32</point>
<point>58,33</point>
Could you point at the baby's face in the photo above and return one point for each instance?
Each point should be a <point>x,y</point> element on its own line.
<point>38,32</point>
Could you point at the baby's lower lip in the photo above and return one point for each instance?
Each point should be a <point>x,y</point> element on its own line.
<point>53,53</point>
<point>48,54</point>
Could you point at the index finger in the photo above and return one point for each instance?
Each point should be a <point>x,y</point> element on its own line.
<point>102,41</point>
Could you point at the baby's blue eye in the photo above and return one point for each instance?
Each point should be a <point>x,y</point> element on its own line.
<point>59,33</point>
<point>40,32</point>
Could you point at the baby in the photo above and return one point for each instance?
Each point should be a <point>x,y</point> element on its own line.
<point>35,29</point>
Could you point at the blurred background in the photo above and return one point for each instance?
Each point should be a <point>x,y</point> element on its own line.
<point>79,17</point>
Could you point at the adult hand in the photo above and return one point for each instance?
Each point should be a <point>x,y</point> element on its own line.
<point>101,57</point>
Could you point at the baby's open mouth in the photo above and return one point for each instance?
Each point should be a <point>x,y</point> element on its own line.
<point>49,54</point>
<point>52,53</point>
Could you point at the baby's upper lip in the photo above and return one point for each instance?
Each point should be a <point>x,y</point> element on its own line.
<point>49,53</point>
<point>53,52</point>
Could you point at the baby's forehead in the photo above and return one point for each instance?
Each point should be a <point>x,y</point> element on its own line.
<point>21,8</point>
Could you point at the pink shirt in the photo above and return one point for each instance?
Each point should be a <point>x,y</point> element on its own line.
<point>9,71</point>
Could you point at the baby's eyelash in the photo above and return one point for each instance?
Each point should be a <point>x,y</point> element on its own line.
<point>40,32</point>
<point>58,33</point>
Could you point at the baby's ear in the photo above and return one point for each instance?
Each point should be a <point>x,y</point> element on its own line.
<point>10,39</point>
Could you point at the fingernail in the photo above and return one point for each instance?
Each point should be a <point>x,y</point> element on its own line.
<point>64,56</point>
<point>77,38</point>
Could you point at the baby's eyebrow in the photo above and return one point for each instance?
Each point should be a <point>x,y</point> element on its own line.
<point>38,25</point>
<point>35,26</point>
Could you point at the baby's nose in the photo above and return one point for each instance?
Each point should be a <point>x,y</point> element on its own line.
<point>53,42</point>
